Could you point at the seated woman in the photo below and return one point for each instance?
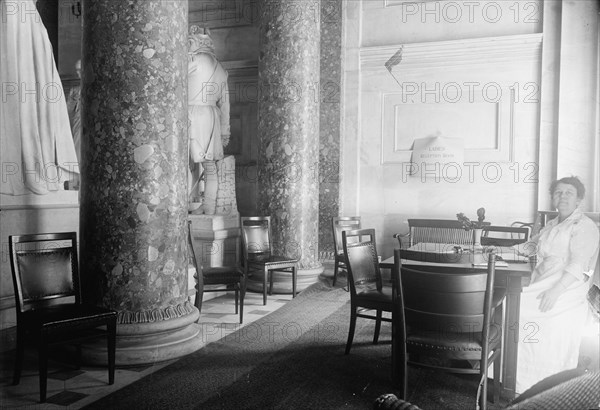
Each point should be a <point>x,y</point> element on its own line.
<point>554,307</point>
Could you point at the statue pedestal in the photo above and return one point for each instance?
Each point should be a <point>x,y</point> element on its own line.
<point>216,239</point>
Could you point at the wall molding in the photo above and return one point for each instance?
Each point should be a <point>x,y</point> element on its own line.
<point>501,140</point>
<point>236,13</point>
<point>513,50</point>
<point>242,70</point>
<point>37,206</point>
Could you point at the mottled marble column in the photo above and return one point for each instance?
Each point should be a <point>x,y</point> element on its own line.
<point>330,135</point>
<point>288,130</point>
<point>134,175</point>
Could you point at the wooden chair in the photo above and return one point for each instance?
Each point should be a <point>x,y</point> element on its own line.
<point>258,253</point>
<point>339,224</point>
<point>436,231</point>
<point>448,320</point>
<point>49,304</point>
<point>228,276</point>
<point>504,235</point>
<point>364,278</point>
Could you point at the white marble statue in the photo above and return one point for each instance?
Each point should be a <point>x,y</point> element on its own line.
<point>36,147</point>
<point>208,113</point>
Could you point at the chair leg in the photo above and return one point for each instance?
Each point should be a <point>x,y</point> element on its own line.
<point>237,295</point>
<point>404,373</point>
<point>399,368</point>
<point>351,330</point>
<point>335,270</point>
<point>271,274</point>
<point>496,397</point>
<point>344,267</point>
<point>377,327</point>
<point>111,344</point>
<point>242,296</point>
<point>199,294</point>
<point>43,367</point>
<point>19,356</point>
<point>484,383</point>
<point>294,280</point>
<point>265,274</point>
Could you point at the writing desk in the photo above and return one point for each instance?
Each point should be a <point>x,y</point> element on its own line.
<point>512,277</point>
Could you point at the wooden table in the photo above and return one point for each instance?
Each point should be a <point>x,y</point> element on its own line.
<point>512,278</point>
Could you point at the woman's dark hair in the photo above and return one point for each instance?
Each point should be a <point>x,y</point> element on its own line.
<point>574,181</point>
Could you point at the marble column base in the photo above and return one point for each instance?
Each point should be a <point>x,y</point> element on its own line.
<point>147,343</point>
<point>282,282</point>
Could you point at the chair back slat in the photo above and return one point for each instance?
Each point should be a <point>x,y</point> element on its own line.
<point>360,249</point>
<point>256,235</point>
<point>439,231</point>
<point>45,274</point>
<point>45,270</point>
<point>504,235</point>
<point>343,223</point>
<point>444,300</point>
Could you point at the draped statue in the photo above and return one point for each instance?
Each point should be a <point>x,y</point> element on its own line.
<point>37,152</point>
<point>209,130</point>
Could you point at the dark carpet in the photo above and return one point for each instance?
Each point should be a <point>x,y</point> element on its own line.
<point>292,359</point>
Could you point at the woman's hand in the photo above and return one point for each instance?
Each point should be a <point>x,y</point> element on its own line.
<point>550,296</point>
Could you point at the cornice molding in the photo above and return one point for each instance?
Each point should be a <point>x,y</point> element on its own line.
<point>218,15</point>
<point>454,53</point>
<point>241,70</point>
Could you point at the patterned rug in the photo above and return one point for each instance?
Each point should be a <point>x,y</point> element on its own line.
<point>293,359</point>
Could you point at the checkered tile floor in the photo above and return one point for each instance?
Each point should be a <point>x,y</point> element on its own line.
<point>74,388</point>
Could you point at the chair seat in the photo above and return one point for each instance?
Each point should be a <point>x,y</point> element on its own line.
<point>222,275</point>
<point>68,314</point>
<point>460,342</point>
<point>264,259</point>
<point>374,297</point>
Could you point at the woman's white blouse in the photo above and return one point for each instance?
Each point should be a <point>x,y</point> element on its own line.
<point>569,246</point>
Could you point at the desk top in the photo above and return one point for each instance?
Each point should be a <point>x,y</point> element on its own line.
<point>464,260</point>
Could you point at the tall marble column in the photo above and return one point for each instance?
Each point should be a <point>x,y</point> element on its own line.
<point>288,129</point>
<point>134,176</point>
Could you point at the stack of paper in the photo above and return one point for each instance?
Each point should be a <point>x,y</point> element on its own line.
<point>434,247</point>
